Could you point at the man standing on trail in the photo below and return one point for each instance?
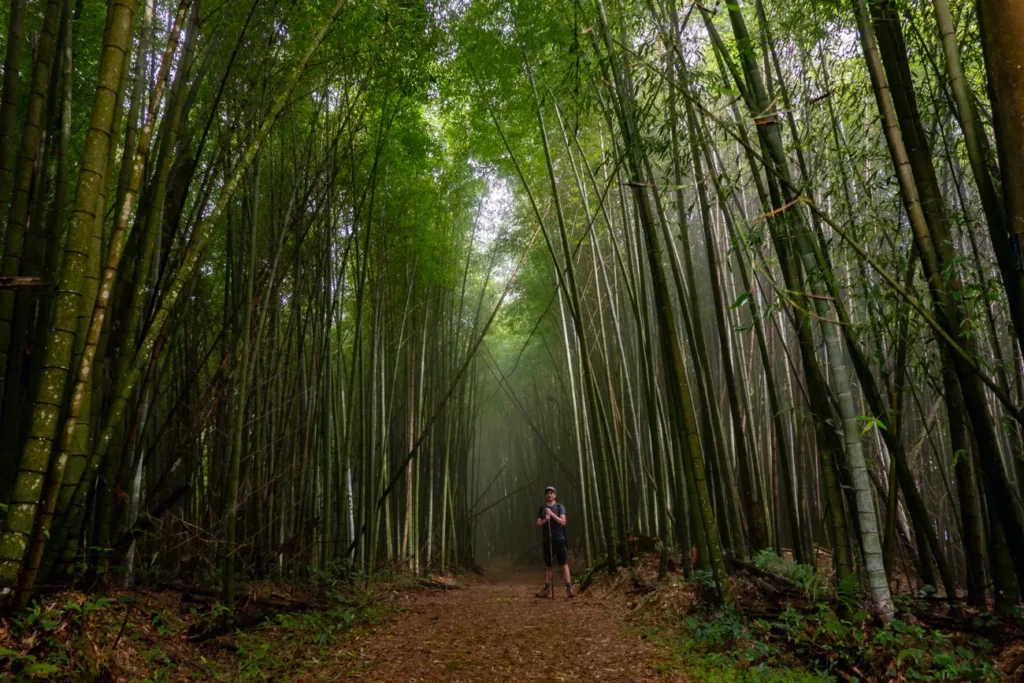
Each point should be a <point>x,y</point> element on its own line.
<point>551,518</point>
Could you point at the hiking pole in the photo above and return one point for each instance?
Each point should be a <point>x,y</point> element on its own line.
<point>551,555</point>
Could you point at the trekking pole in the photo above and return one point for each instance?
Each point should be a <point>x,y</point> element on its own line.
<point>551,554</point>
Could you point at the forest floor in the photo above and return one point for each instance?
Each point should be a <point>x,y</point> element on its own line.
<point>495,629</point>
<point>487,627</point>
<point>490,627</point>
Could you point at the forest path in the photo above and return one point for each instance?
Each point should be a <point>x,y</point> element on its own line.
<point>495,629</point>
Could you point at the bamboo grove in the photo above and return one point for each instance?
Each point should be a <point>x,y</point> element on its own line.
<point>292,290</point>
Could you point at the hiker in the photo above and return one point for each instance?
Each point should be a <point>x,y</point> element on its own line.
<point>551,518</point>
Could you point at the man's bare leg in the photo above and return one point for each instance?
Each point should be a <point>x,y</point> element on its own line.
<point>549,590</point>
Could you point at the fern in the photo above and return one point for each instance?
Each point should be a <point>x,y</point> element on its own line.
<point>806,577</point>
<point>848,592</point>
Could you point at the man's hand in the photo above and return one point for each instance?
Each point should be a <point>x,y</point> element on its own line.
<point>549,515</point>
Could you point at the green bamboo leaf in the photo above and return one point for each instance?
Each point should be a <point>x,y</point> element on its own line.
<point>740,300</point>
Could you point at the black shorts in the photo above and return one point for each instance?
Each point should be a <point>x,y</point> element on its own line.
<point>558,546</point>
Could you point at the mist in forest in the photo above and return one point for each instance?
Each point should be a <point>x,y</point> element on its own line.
<point>332,292</point>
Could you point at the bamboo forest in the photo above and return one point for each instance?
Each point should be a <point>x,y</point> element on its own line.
<point>304,303</point>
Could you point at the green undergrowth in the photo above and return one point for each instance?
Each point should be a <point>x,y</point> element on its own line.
<point>51,641</point>
<point>142,636</point>
<point>721,649</point>
<point>291,644</point>
<point>798,646</point>
<point>812,639</point>
<point>804,576</point>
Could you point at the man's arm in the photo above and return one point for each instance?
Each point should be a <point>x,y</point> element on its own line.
<point>557,518</point>
<point>541,517</point>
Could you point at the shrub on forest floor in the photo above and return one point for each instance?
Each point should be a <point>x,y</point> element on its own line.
<point>49,638</point>
<point>724,649</point>
<point>812,629</point>
<point>802,646</point>
<point>899,649</point>
<point>804,576</point>
<point>140,636</point>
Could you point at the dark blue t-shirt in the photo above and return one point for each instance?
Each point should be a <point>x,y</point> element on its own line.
<point>558,532</point>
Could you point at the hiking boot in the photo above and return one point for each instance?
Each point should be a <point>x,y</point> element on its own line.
<point>569,593</point>
<point>546,593</point>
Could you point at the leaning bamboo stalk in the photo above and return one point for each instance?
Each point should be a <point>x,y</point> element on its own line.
<point>56,355</point>
<point>569,282</point>
<point>102,299</point>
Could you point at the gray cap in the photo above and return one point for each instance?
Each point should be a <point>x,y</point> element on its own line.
<point>550,488</point>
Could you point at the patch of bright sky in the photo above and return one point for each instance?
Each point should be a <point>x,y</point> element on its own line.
<point>446,12</point>
<point>331,97</point>
<point>497,208</point>
<point>496,218</point>
<point>846,39</point>
<point>496,213</point>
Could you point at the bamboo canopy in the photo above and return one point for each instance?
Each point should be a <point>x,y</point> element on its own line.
<point>297,290</point>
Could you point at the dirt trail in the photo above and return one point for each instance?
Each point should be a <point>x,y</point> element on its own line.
<point>495,629</point>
